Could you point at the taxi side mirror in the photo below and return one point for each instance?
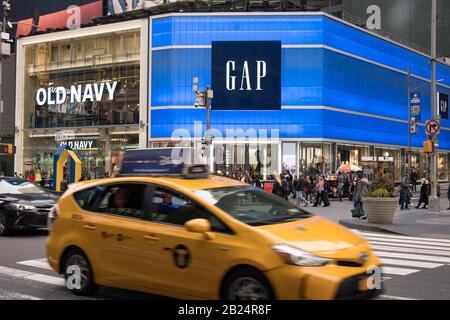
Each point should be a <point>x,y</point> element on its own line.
<point>200,226</point>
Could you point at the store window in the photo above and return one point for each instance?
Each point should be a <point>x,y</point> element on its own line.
<point>443,167</point>
<point>83,82</point>
<point>315,158</point>
<point>86,86</point>
<point>390,162</point>
<point>351,154</point>
<point>100,153</point>
<point>290,157</point>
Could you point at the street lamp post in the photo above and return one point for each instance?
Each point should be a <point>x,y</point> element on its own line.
<point>434,200</point>
<point>203,100</point>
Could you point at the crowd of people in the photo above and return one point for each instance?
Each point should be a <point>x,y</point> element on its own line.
<point>316,190</point>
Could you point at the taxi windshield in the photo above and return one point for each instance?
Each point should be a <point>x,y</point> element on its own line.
<point>252,205</point>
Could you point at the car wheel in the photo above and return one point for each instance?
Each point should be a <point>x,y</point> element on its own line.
<point>4,225</point>
<point>247,284</point>
<point>78,273</point>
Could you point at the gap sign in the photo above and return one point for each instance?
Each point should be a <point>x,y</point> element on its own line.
<point>246,75</point>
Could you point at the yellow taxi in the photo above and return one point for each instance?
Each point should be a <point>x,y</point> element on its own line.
<point>203,238</point>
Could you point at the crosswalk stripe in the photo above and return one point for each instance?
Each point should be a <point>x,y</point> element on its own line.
<point>10,295</point>
<point>389,236</point>
<point>406,245</point>
<point>38,263</point>
<point>411,250</point>
<point>409,263</point>
<point>411,256</point>
<point>405,241</point>
<point>398,271</point>
<point>20,274</point>
<point>395,298</point>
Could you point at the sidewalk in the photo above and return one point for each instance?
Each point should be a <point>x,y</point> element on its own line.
<point>414,222</point>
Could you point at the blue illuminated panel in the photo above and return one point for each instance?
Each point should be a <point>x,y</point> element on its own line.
<point>310,77</point>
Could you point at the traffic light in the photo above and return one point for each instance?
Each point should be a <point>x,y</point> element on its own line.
<point>7,149</point>
<point>428,146</point>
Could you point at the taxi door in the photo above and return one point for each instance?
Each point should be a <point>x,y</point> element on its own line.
<point>115,233</point>
<point>190,264</point>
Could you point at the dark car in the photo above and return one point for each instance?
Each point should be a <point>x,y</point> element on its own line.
<point>23,205</point>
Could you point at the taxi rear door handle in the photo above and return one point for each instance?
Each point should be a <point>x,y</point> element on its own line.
<point>151,238</point>
<point>90,227</point>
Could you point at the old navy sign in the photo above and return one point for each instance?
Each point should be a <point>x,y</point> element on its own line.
<point>80,144</point>
<point>76,93</point>
<point>246,75</point>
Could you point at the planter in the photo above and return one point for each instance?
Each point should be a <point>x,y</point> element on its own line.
<point>380,210</point>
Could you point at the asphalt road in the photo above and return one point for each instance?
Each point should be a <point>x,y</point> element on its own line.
<point>415,268</point>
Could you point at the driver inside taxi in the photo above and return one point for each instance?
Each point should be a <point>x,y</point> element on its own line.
<point>120,204</point>
<point>120,199</point>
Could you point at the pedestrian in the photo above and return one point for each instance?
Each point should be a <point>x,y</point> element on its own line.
<point>424,194</point>
<point>448,196</point>
<point>277,188</point>
<point>284,185</point>
<point>31,176</point>
<point>405,194</point>
<point>309,189</point>
<point>300,187</point>
<point>340,185</point>
<point>258,181</point>
<point>413,178</point>
<point>360,190</point>
<point>326,187</point>
<point>64,184</point>
<point>320,187</point>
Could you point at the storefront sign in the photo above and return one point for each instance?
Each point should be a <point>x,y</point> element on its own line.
<point>377,159</point>
<point>246,75</point>
<point>76,94</point>
<point>80,144</point>
<point>415,106</point>
<point>443,105</point>
<point>65,135</point>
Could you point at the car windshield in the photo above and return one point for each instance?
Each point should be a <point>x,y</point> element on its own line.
<point>252,205</point>
<point>18,186</point>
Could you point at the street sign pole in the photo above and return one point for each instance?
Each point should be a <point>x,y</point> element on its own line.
<point>409,122</point>
<point>434,200</point>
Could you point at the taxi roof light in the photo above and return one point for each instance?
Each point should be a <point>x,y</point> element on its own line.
<point>173,162</point>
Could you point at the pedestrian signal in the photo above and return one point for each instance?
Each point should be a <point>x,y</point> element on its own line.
<point>428,147</point>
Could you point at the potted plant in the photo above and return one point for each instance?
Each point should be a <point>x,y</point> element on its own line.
<point>381,201</point>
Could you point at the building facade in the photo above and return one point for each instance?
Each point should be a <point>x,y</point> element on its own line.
<point>301,91</point>
<point>344,93</point>
<point>85,88</point>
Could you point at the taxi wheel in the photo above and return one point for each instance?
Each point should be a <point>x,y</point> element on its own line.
<point>247,284</point>
<point>4,225</point>
<point>77,264</point>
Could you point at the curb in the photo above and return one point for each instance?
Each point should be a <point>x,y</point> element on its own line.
<point>364,226</point>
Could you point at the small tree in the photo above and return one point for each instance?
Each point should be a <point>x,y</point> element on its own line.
<point>382,186</point>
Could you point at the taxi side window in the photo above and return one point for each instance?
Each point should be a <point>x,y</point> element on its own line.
<point>85,198</point>
<point>123,200</point>
<point>174,208</point>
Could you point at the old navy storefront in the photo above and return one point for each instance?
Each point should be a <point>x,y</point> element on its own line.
<point>81,88</point>
<point>299,91</point>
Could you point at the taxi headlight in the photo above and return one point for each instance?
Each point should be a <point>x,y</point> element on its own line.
<point>297,257</point>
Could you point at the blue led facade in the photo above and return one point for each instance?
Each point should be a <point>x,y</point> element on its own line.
<point>338,82</point>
